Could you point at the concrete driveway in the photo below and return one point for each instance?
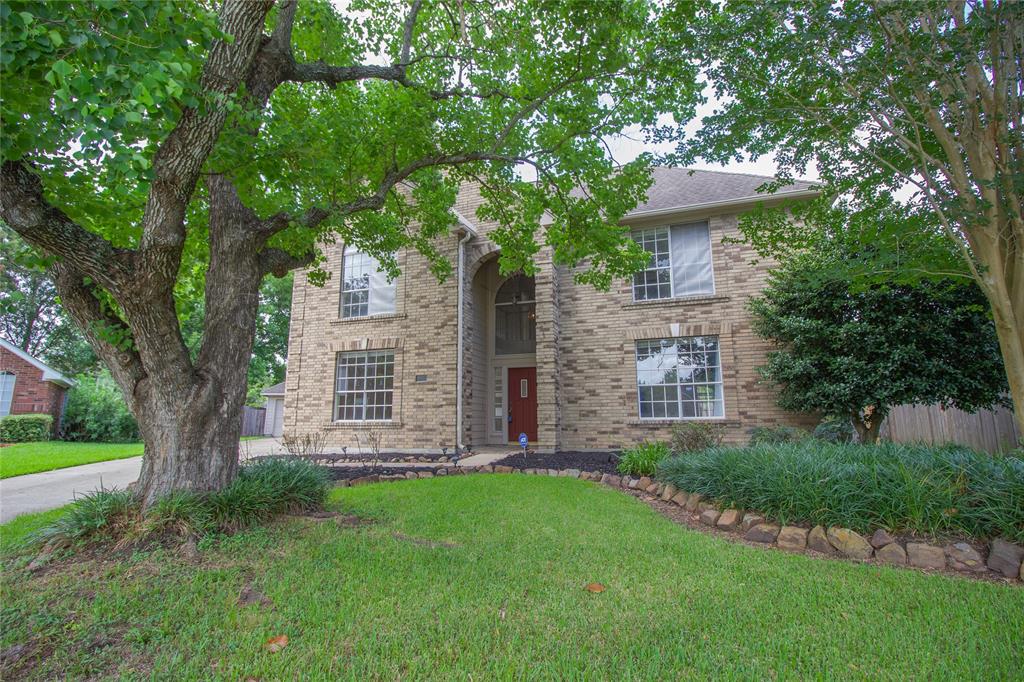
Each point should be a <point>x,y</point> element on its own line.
<point>51,489</point>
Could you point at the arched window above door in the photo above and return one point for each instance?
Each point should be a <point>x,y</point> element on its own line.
<point>515,317</point>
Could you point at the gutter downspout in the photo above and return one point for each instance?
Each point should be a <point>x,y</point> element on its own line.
<point>470,232</point>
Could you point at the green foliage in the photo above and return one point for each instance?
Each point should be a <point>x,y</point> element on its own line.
<point>266,488</point>
<point>847,348</point>
<point>643,459</point>
<point>834,430</point>
<point>773,435</point>
<point>262,490</point>
<point>903,488</point>
<point>96,411</point>
<point>24,428</point>
<point>696,436</point>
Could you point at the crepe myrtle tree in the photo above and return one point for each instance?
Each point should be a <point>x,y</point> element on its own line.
<point>162,152</point>
<point>857,350</point>
<point>884,97</point>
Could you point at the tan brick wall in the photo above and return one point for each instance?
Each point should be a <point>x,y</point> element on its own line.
<point>586,369</point>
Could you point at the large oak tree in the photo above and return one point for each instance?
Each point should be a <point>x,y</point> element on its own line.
<point>882,97</point>
<point>161,151</point>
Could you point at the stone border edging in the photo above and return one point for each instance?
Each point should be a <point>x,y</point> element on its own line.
<point>1005,559</point>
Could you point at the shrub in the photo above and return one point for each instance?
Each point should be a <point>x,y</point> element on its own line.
<point>24,428</point>
<point>768,435</point>
<point>834,430</point>
<point>96,411</point>
<point>643,459</point>
<point>912,488</point>
<point>261,491</point>
<point>696,436</point>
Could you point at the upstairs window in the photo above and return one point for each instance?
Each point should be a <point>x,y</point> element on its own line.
<point>680,262</point>
<point>515,317</point>
<point>365,289</point>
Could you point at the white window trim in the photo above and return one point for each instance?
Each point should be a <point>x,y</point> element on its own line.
<point>14,381</point>
<point>671,265</point>
<point>681,417</point>
<point>346,254</point>
<point>364,420</point>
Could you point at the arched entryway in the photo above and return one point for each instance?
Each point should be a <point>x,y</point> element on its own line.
<point>502,357</point>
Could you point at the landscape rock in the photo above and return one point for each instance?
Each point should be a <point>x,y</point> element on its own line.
<point>659,488</point>
<point>1005,558</point>
<point>881,538</point>
<point>669,492</point>
<point>503,469</point>
<point>614,481</point>
<point>486,469</point>
<point>595,475</point>
<point>892,553</point>
<point>962,557</point>
<point>633,484</point>
<point>343,483</point>
<point>792,538</point>
<point>763,532</point>
<point>426,474</point>
<point>730,519</point>
<point>680,498</point>
<point>709,517</point>
<point>652,489</point>
<point>572,473</point>
<point>923,555</point>
<point>644,482</point>
<point>704,506</point>
<point>848,543</point>
<point>363,480</point>
<point>750,520</point>
<point>693,501</point>
<point>441,471</point>
<point>411,474</point>
<point>817,540</point>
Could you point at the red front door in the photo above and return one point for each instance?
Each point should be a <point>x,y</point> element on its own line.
<point>522,402</point>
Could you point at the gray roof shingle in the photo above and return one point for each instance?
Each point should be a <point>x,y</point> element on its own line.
<point>682,187</point>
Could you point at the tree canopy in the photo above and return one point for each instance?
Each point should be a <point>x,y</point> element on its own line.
<point>883,100</point>
<point>160,152</point>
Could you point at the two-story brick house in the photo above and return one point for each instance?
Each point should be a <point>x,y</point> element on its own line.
<point>573,367</point>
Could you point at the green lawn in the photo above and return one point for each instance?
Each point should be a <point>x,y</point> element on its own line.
<point>30,458</point>
<point>482,577</point>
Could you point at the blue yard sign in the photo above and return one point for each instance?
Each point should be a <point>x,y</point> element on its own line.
<point>523,440</point>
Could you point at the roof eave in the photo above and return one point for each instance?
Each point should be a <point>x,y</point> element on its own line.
<point>737,203</point>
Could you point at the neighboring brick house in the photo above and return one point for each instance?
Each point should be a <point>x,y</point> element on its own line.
<point>573,367</point>
<point>28,386</point>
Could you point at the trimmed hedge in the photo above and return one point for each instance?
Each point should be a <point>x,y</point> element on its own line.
<point>24,428</point>
<point>904,488</point>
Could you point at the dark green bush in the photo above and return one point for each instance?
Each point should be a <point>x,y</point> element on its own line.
<point>696,436</point>
<point>835,430</point>
<point>25,428</point>
<point>912,488</point>
<point>643,459</point>
<point>96,411</point>
<point>261,491</point>
<point>769,435</point>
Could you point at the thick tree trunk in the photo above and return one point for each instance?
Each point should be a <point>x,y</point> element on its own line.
<point>1009,325</point>
<point>867,424</point>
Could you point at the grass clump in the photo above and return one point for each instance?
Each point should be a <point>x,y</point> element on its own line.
<point>643,459</point>
<point>261,491</point>
<point>904,488</point>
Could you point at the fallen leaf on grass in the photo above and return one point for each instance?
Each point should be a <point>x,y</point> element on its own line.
<point>595,587</point>
<point>275,644</point>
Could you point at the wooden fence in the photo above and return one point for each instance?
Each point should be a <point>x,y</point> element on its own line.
<point>988,430</point>
<point>252,420</point>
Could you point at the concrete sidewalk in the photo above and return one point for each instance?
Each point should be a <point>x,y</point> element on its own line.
<point>52,489</point>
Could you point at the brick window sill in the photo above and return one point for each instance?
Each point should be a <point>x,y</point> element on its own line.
<point>672,422</point>
<point>363,426</point>
<point>384,317</point>
<point>670,302</point>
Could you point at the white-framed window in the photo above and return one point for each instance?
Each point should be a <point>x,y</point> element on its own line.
<point>679,378</point>
<point>6,393</point>
<point>364,386</point>
<point>515,317</point>
<point>499,399</point>
<point>365,289</point>
<point>680,263</point>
